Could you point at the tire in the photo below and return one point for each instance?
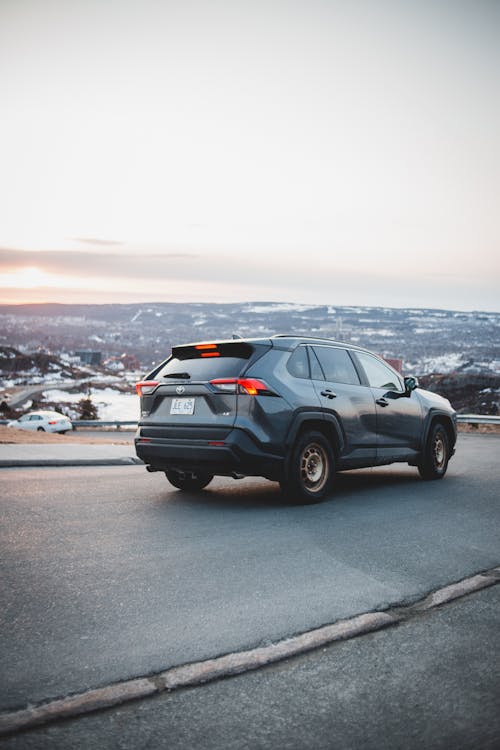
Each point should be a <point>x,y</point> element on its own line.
<point>311,469</point>
<point>40,429</point>
<point>188,480</point>
<point>436,454</point>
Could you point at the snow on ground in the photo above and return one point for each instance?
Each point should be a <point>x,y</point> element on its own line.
<point>279,307</point>
<point>116,406</point>
<point>379,332</point>
<point>111,405</point>
<point>442,364</point>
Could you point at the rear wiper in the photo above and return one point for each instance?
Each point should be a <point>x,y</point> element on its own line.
<point>184,375</point>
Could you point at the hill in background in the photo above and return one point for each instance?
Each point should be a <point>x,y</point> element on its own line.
<point>455,353</point>
<point>426,340</point>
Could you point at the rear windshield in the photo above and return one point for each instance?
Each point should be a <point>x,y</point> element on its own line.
<point>206,362</point>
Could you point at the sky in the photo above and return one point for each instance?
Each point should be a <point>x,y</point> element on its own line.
<point>231,150</point>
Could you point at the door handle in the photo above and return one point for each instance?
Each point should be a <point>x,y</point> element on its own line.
<point>382,401</point>
<point>328,393</point>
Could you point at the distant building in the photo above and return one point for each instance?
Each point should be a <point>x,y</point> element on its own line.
<point>130,362</point>
<point>124,362</point>
<point>89,357</point>
<point>396,363</point>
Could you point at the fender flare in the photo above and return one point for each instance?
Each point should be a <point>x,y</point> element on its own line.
<point>309,416</point>
<point>446,417</point>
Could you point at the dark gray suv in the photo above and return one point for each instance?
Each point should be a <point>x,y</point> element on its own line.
<point>291,409</point>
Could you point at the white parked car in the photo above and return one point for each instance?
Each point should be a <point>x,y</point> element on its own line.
<point>42,421</point>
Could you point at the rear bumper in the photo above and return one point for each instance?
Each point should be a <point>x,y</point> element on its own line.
<point>237,453</point>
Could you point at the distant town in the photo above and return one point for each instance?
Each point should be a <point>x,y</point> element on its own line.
<point>457,353</point>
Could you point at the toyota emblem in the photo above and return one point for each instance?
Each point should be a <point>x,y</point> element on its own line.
<point>180,389</point>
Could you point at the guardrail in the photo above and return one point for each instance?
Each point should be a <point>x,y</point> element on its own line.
<point>93,423</point>
<point>98,423</point>
<point>461,419</point>
<point>478,419</point>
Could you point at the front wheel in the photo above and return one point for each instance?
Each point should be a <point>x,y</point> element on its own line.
<point>311,469</point>
<point>436,454</point>
<point>188,480</point>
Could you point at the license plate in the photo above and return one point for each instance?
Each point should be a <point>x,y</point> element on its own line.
<point>182,406</point>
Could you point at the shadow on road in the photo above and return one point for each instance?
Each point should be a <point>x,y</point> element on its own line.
<point>253,493</point>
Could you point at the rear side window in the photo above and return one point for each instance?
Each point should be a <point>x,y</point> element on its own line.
<point>298,364</point>
<point>337,365</point>
<point>206,361</point>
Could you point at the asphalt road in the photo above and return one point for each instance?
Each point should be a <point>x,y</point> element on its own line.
<point>18,396</point>
<point>108,573</point>
<point>432,683</point>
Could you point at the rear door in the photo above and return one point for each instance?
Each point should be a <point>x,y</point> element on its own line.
<point>183,402</point>
<point>341,394</point>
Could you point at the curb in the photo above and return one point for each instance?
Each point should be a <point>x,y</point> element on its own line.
<point>124,461</point>
<point>457,590</point>
<point>231,664</point>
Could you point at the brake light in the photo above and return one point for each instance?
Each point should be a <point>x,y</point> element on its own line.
<point>252,386</point>
<point>206,346</point>
<point>54,421</point>
<point>248,386</point>
<point>210,354</point>
<point>145,387</point>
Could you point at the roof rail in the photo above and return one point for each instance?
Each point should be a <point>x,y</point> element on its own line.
<point>303,336</point>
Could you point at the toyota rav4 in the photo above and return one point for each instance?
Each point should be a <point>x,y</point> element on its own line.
<point>291,409</point>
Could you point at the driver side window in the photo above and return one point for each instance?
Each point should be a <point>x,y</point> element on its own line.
<point>378,374</point>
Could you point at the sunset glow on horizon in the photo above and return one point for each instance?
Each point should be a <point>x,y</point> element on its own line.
<point>330,152</point>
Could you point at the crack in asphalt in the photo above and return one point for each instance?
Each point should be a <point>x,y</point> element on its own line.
<point>197,673</point>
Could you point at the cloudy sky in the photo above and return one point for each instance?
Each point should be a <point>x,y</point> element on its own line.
<point>299,150</point>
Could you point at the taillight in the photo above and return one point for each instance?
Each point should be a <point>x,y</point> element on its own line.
<point>54,421</point>
<point>253,387</point>
<point>248,386</point>
<point>145,387</point>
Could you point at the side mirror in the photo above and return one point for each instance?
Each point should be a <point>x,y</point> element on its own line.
<point>410,384</point>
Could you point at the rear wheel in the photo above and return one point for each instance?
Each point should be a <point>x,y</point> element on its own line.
<point>188,480</point>
<point>311,469</point>
<point>436,454</point>
<point>40,429</point>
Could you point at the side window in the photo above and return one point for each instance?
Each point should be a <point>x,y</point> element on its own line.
<point>379,376</point>
<point>316,371</point>
<point>298,364</point>
<point>337,365</point>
